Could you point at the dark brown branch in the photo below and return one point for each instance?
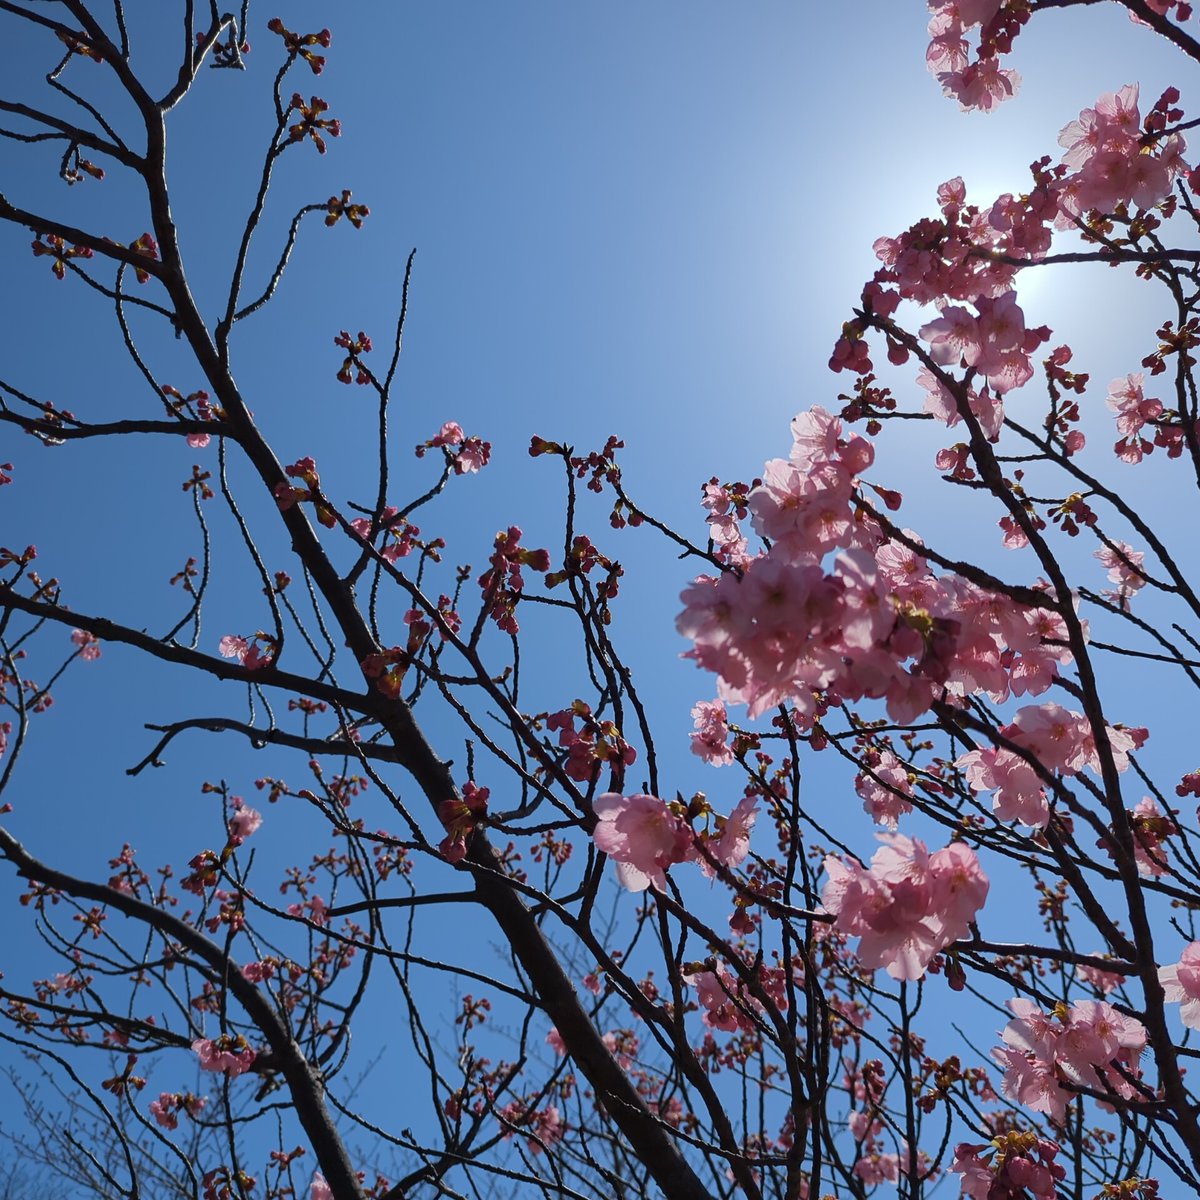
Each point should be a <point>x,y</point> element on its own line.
<point>305,1085</point>
<point>110,631</point>
<point>64,129</point>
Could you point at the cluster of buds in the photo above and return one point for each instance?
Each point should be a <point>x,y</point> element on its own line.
<point>305,469</point>
<point>401,537</point>
<point>311,122</point>
<point>145,247</point>
<point>88,644</point>
<point>225,54</point>
<point>199,483</point>
<point>584,556</point>
<point>165,1110</point>
<point>57,249</point>
<point>460,817</point>
<point>387,669</point>
<point>75,168</point>
<point>592,745</point>
<point>1016,1165</point>
<point>297,44</point>
<point>336,208</point>
<point>503,583</point>
<point>224,1183</point>
<point>352,362</point>
<point>126,1082</point>
<point>196,405</point>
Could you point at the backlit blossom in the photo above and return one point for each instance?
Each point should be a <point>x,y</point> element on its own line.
<point>1181,985</point>
<point>1124,569</point>
<point>1081,1046</point>
<point>643,836</point>
<point>908,905</point>
<point>711,739</point>
<point>884,790</point>
<point>1019,792</point>
<point>732,843</point>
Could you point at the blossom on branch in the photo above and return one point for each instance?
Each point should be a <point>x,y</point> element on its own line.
<point>643,835</point>
<point>908,905</point>
<point>1181,985</point>
<point>229,1053</point>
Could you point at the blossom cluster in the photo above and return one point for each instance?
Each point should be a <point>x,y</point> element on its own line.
<point>1110,161</point>
<point>595,743</point>
<point>473,454</point>
<point>879,625</point>
<point>1055,738</point>
<point>1143,422</point>
<point>908,905</point>
<point>1015,1164</point>
<point>1089,1045</point>
<point>229,1053</point>
<point>980,82</point>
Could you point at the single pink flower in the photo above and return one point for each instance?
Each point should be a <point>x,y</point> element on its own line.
<point>244,821</point>
<point>643,836</point>
<point>1181,985</point>
<point>232,646</point>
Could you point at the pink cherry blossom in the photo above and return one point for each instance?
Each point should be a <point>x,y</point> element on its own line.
<point>163,1111</point>
<point>1078,1046</point>
<point>166,1109</point>
<point>716,992</point>
<point>549,1128</point>
<point>983,84</point>
<point>1181,985</point>
<point>1111,162</point>
<point>733,844</point>
<point>230,1054</point>
<point>1124,569</point>
<point>1019,792</point>
<point>884,789</point>
<point>877,1168</point>
<point>643,836</point>
<point>908,905</point>
<point>88,643</point>
<point>729,544</point>
<point>450,434</point>
<point>232,646</point>
<point>319,1188</point>
<point>258,972</point>
<point>996,342</point>
<point>244,821</point>
<point>1104,981</point>
<point>710,741</point>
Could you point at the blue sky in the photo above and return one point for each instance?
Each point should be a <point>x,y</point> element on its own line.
<point>642,219</point>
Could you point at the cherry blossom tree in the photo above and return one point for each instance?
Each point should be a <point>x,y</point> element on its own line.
<point>984,984</point>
